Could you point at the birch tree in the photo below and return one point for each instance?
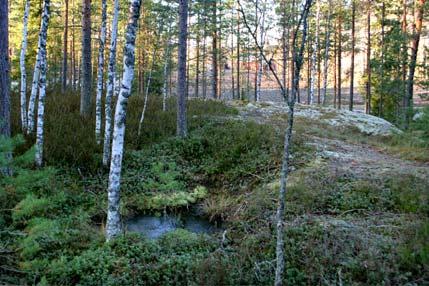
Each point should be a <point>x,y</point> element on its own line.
<point>181,65</point>
<point>113,227</point>
<point>42,83</point>
<point>100,72</point>
<point>110,86</point>
<point>22,68</point>
<point>165,70</point>
<point>34,90</point>
<point>297,62</point>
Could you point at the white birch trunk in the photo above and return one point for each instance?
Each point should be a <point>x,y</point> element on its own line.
<point>314,56</point>
<point>42,83</point>
<point>34,89</point>
<point>23,70</point>
<point>113,227</point>
<point>110,86</point>
<point>100,73</point>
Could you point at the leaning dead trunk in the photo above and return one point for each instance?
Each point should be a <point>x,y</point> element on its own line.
<point>23,70</point>
<point>110,86</point>
<point>42,83</point>
<point>100,72</point>
<point>113,226</point>
<point>146,94</point>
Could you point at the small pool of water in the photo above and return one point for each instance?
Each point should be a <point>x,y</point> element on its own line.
<point>155,226</point>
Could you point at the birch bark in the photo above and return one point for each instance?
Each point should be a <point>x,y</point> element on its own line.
<point>42,83</point>
<point>22,68</point>
<point>100,72</point>
<point>113,227</point>
<point>110,86</point>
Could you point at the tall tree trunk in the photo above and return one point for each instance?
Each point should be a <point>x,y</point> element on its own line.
<point>100,72</point>
<point>65,38</point>
<point>326,56</point>
<point>352,62</point>
<point>74,75</point>
<point>110,85</point>
<point>197,68</point>
<point>165,71</point>
<point>335,65</point>
<point>22,67</point>
<point>262,43</point>
<point>34,90</point>
<point>204,71</point>
<point>340,43</point>
<point>232,60</point>
<point>368,60</point>
<point>181,67</point>
<point>314,58</point>
<point>42,83</point>
<point>298,59</point>
<point>239,95</point>
<point>404,55</point>
<point>86,86</point>
<point>113,226</point>
<point>214,51</point>
<point>380,103</point>
<point>4,70</point>
<point>417,30</point>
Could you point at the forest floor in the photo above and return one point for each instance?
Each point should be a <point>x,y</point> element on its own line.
<point>357,210</point>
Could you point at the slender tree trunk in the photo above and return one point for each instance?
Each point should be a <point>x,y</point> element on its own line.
<point>34,90</point>
<point>74,75</point>
<point>335,66</point>
<point>340,43</point>
<point>197,68</point>
<point>86,86</point>
<point>4,71</point>
<point>42,83</point>
<point>314,58</point>
<point>113,227</point>
<point>22,67</point>
<point>380,103</point>
<point>239,95</point>
<point>146,94</point>
<point>165,72</point>
<point>110,85</point>
<point>181,66</point>
<point>214,51</point>
<point>368,60</point>
<point>404,56</point>
<point>261,60</point>
<point>232,61</point>
<point>298,59</point>
<point>65,39</point>
<point>352,64</point>
<point>100,72</point>
<point>417,30</point>
<point>326,56</point>
<point>204,71</point>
